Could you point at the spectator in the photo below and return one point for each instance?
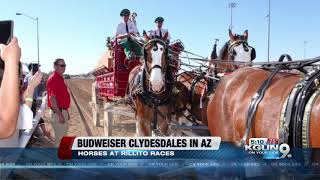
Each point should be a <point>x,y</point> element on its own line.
<point>58,100</point>
<point>9,90</point>
<point>11,118</point>
<point>33,68</point>
<point>25,117</point>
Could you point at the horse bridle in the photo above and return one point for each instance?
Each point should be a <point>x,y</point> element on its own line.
<point>163,70</point>
<point>145,54</point>
<point>156,66</point>
<point>236,43</point>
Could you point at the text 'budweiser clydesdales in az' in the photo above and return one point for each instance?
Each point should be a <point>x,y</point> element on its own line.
<point>136,147</point>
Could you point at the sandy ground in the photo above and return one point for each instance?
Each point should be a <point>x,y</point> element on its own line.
<point>81,123</point>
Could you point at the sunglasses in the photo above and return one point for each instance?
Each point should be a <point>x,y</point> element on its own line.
<point>61,65</point>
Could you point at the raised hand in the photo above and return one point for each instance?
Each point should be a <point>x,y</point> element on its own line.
<point>36,79</point>
<point>11,52</point>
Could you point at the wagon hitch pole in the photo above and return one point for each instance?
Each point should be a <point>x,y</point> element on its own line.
<point>189,127</point>
<point>120,101</point>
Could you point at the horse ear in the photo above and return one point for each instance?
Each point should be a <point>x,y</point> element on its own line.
<point>148,46</point>
<point>246,34</point>
<point>231,35</point>
<point>165,36</point>
<point>146,37</point>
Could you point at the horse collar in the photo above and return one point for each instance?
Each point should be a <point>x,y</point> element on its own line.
<point>148,97</point>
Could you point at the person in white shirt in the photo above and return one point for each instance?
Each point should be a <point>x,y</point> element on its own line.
<point>15,112</point>
<point>160,32</point>
<point>25,114</point>
<point>126,31</point>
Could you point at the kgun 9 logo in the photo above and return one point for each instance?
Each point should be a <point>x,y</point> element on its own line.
<point>268,147</point>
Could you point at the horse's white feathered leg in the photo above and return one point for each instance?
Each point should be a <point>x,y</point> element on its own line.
<point>139,132</point>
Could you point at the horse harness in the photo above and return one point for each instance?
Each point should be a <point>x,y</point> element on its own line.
<point>206,94</point>
<point>192,93</point>
<point>294,127</point>
<point>146,96</point>
<point>296,111</point>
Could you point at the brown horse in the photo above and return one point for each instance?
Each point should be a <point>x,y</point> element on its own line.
<point>236,49</point>
<point>192,98</point>
<point>195,89</point>
<point>228,109</point>
<point>150,88</point>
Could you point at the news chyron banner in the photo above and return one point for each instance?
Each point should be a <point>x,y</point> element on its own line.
<point>137,147</point>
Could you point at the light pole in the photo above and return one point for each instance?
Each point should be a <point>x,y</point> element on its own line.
<point>304,49</point>
<point>37,20</point>
<point>269,17</point>
<point>231,5</point>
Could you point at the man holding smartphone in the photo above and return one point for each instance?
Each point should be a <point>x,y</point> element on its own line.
<point>33,68</point>
<point>58,100</point>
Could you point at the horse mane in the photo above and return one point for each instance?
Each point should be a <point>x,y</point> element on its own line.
<point>223,50</point>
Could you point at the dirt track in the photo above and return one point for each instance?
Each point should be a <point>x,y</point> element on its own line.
<point>81,123</point>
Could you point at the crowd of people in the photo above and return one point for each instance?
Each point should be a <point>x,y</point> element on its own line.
<point>15,107</point>
<point>19,107</point>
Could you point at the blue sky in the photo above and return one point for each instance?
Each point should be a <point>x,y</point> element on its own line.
<point>76,29</point>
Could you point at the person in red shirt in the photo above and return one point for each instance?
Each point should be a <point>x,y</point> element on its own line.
<point>58,100</point>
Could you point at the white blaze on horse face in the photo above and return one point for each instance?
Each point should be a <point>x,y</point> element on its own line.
<point>241,54</point>
<point>156,77</point>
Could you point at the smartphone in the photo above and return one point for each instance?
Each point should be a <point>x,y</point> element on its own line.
<point>6,31</point>
<point>6,34</point>
<point>34,68</point>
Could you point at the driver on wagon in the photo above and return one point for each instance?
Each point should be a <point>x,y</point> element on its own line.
<point>124,33</point>
<point>159,32</point>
